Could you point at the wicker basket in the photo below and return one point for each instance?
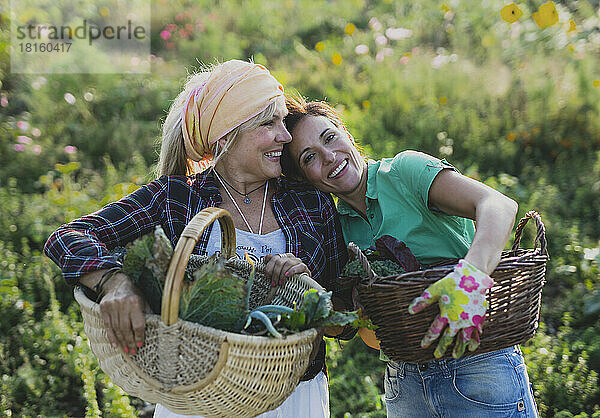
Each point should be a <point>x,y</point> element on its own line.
<point>194,369</point>
<point>512,317</point>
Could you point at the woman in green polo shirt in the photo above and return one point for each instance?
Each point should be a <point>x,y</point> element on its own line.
<point>426,203</point>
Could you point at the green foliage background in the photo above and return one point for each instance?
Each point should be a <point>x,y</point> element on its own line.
<point>511,105</point>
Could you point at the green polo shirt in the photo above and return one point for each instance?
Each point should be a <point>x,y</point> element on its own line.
<point>397,205</point>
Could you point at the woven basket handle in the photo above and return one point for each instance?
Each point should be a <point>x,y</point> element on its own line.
<point>187,241</point>
<point>357,253</point>
<point>541,231</point>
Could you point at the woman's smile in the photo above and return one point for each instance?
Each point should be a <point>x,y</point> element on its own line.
<point>339,169</point>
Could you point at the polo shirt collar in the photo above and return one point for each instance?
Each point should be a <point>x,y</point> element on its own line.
<point>345,209</point>
<point>372,167</point>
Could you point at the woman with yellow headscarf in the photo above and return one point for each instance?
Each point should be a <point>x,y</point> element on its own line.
<point>229,120</point>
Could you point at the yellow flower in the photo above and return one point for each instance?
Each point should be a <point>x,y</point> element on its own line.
<point>445,8</point>
<point>511,137</point>
<point>366,104</point>
<point>350,28</point>
<point>571,48</point>
<point>511,13</point>
<point>572,26</point>
<point>336,58</point>
<point>319,46</point>
<point>596,83</point>
<point>443,100</point>
<point>104,12</point>
<point>546,15</point>
<point>450,298</point>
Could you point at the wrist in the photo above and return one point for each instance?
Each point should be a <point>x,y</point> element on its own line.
<point>106,281</point>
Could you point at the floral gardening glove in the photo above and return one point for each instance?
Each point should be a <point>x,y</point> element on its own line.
<point>461,296</point>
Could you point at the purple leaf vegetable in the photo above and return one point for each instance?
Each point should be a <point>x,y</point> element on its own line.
<point>397,251</point>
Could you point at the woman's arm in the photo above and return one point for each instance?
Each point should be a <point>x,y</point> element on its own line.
<point>83,245</point>
<point>82,250</point>
<point>493,212</point>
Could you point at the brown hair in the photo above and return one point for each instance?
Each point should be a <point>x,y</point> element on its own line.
<point>298,108</point>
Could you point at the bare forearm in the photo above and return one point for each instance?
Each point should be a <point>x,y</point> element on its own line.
<point>494,217</point>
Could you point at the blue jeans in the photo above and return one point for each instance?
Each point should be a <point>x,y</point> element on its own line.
<point>493,384</point>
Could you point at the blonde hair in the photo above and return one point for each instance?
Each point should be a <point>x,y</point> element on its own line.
<point>173,160</point>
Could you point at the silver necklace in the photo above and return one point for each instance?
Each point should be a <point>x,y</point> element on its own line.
<point>246,198</point>
<point>262,212</point>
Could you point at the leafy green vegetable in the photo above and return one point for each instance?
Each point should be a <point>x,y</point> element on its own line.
<point>315,311</point>
<point>215,298</point>
<point>390,257</point>
<point>380,267</point>
<point>146,262</point>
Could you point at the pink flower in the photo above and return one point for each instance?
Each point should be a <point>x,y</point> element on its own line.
<point>464,315</point>
<point>478,320</point>
<point>22,139</point>
<point>36,132</point>
<point>445,299</point>
<point>165,34</point>
<point>70,149</point>
<point>179,17</point>
<point>487,282</point>
<point>467,333</point>
<point>3,101</point>
<point>36,149</point>
<point>468,283</point>
<point>404,60</point>
<point>19,147</point>
<point>442,322</point>
<point>171,27</point>
<point>22,125</point>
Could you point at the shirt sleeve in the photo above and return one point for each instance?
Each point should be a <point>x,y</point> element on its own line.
<point>84,245</point>
<point>334,244</point>
<point>416,171</point>
<point>337,256</point>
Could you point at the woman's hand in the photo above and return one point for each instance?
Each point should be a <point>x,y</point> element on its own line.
<point>280,267</point>
<point>122,307</point>
<point>461,295</point>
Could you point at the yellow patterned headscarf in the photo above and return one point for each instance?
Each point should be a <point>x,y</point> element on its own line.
<point>234,93</point>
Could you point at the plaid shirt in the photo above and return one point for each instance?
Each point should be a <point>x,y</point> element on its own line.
<point>306,216</point>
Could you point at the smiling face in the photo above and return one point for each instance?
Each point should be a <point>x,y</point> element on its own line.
<point>326,155</point>
<point>256,152</point>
